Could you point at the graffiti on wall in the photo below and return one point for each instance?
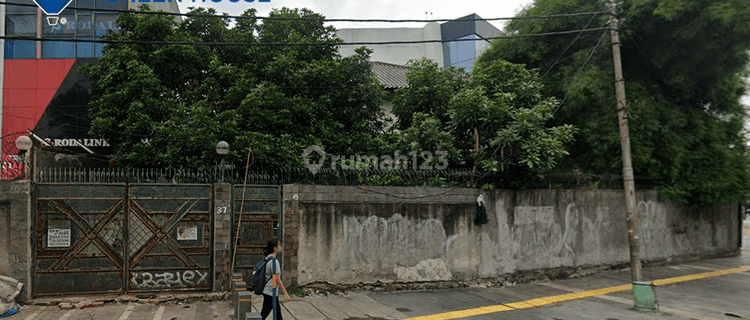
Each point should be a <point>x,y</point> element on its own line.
<point>169,279</point>
<point>12,168</point>
<point>12,162</point>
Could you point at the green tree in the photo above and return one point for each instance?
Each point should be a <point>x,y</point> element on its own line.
<point>430,90</point>
<point>501,117</point>
<point>496,120</point>
<point>684,64</point>
<point>427,134</point>
<point>277,99</point>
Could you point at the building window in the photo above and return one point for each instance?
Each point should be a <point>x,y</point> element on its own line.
<point>20,49</point>
<point>98,50</point>
<point>85,50</point>
<point>85,26</point>
<point>84,4</point>
<point>100,4</point>
<point>81,24</point>
<point>58,49</point>
<point>104,22</point>
<point>105,4</point>
<point>463,54</point>
<point>20,23</point>
<point>11,9</point>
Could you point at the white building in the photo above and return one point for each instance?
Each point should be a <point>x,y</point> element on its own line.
<point>448,49</point>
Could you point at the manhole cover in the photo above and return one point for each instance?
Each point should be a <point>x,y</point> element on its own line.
<point>403,310</point>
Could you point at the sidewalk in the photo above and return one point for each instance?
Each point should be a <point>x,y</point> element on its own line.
<point>697,290</point>
<point>350,307</point>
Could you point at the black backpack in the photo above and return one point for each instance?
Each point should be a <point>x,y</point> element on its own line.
<point>259,276</point>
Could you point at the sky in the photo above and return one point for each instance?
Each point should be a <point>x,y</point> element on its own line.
<point>375,9</point>
<point>381,9</point>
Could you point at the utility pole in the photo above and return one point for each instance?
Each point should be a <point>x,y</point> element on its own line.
<point>627,165</point>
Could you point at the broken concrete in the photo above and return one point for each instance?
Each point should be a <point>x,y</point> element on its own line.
<point>82,302</point>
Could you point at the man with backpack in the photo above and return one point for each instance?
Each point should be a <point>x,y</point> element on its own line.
<point>266,280</point>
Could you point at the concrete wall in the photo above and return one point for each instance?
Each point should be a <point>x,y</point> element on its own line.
<point>388,106</point>
<point>396,54</point>
<point>5,239</point>
<point>15,233</point>
<point>352,235</point>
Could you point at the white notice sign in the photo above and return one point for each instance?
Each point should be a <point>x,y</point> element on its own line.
<point>58,234</point>
<point>187,232</point>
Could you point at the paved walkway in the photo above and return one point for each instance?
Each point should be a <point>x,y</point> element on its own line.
<point>711,289</point>
<point>354,306</point>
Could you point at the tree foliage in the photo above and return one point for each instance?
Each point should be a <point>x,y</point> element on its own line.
<point>431,88</point>
<point>278,100</point>
<point>684,64</point>
<point>497,118</point>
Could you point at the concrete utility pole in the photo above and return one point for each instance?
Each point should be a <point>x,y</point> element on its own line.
<point>627,165</point>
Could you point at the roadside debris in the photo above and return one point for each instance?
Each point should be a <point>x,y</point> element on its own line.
<point>84,302</point>
<point>9,290</point>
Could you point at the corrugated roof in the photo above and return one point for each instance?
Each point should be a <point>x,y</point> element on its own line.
<point>391,76</point>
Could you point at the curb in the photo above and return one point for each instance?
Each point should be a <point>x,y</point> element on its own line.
<point>83,302</point>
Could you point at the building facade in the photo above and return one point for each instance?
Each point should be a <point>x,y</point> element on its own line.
<point>456,43</point>
<point>42,89</point>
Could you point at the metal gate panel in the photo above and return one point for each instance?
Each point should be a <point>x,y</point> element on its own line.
<point>78,239</point>
<point>169,238</point>
<point>261,216</point>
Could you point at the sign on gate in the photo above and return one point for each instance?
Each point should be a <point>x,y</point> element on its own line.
<point>58,234</point>
<point>185,233</point>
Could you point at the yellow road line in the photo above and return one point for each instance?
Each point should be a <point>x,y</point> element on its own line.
<point>699,276</point>
<point>538,302</point>
<point>465,313</point>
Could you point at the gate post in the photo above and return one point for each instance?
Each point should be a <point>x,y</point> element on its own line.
<point>222,257</point>
<point>17,235</point>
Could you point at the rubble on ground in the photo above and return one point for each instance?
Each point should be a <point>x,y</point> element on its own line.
<point>9,290</point>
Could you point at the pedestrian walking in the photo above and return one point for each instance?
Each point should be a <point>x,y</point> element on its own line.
<point>270,292</point>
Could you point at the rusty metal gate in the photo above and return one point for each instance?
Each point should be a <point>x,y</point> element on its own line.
<point>169,238</point>
<point>86,243</point>
<point>79,242</point>
<point>261,220</point>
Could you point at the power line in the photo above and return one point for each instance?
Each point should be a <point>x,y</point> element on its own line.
<point>591,54</point>
<point>291,44</point>
<point>189,15</point>
<point>568,47</point>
